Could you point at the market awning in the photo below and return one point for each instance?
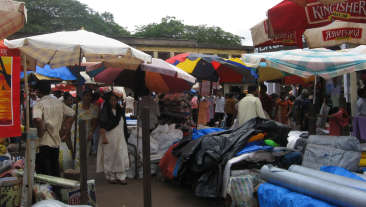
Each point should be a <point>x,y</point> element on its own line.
<point>308,62</point>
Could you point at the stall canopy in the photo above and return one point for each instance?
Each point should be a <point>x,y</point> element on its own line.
<point>67,48</point>
<point>308,62</point>
<point>13,16</point>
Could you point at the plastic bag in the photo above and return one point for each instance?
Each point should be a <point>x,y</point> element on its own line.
<point>54,203</point>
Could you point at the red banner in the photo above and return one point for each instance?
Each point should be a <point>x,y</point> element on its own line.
<point>9,97</point>
<point>318,14</point>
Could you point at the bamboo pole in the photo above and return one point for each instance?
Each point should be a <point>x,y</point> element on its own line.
<point>28,146</point>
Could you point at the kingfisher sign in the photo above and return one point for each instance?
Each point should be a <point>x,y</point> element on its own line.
<point>350,10</point>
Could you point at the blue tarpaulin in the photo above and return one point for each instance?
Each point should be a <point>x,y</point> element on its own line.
<point>62,73</point>
<point>201,132</point>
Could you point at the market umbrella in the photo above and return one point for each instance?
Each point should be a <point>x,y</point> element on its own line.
<point>261,38</point>
<point>13,16</point>
<point>290,15</point>
<point>158,76</point>
<point>336,33</point>
<point>212,68</point>
<point>67,48</point>
<point>308,62</point>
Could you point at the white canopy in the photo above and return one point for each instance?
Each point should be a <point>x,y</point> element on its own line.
<point>65,48</point>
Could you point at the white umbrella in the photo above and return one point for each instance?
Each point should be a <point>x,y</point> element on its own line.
<point>13,16</point>
<point>67,48</point>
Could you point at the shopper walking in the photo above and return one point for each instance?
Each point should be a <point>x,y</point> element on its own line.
<point>112,158</point>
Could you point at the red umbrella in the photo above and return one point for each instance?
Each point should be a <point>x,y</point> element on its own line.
<point>5,51</point>
<point>291,15</point>
<point>286,17</point>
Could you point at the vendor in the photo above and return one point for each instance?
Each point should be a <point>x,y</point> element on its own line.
<point>48,114</point>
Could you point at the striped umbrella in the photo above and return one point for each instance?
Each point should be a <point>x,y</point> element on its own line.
<point>308,62</point>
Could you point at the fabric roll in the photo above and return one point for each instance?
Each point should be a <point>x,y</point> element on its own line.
<point>337,179</point>
<point>336,194</point>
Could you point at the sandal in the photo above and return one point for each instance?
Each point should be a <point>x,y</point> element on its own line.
<point>112,181</point>
<point>122,182</point>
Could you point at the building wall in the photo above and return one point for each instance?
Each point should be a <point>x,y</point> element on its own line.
<point>166,52</point>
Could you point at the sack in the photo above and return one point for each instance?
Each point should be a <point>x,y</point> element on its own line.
<point>332,151</point>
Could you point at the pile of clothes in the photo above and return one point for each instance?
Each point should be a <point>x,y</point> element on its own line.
<point>201,162</point>
<point>176,108</point>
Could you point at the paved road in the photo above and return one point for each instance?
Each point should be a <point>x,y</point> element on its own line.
<point>163,194</point>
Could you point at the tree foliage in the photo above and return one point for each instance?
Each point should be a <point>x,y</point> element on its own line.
<point>46,16</point>
<point>170,27</point>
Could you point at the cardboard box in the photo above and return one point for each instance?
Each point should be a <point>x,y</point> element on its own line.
<point>10,192</point>
<point>71,196</point>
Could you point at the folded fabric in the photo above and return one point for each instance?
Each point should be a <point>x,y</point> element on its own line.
<point>253,148</point>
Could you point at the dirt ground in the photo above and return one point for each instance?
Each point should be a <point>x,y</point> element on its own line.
<point>163,194</point>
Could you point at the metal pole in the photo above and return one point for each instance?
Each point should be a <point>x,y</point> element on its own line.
<point>146,155</point>
<point>83,163</point>
<point>28,148</point>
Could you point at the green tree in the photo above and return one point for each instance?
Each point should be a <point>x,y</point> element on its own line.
<point>170,27</point>
<point>46,16</point>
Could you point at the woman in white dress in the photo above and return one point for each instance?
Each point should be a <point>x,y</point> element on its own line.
<point>112,150</point>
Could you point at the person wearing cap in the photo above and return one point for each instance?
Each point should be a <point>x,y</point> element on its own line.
<point>250,106</point>
<point>48,114</point>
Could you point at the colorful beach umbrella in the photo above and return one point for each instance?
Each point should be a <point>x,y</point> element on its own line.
<point>213,68</point>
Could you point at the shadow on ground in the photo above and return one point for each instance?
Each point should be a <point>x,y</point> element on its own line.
<point>163,194</point>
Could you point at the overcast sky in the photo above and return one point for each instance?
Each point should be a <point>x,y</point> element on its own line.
<point>235,16</point>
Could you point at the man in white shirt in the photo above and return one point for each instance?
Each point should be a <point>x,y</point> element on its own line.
<point>48,115</point>
<point>250,106</point>
<point>219,108</point>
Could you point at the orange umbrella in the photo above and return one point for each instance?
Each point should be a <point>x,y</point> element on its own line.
<point>13,16</point>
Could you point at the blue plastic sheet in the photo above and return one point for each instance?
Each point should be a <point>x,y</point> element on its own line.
<point>270,195</point>
<point>341,171</point>
<point>201,132</point>
<point>61,73</point>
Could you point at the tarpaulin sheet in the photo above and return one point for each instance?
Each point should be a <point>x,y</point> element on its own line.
<point>201,132</point>
<point>9,97</point>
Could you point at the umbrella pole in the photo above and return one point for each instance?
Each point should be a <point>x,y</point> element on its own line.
<point>29,173</point>
<point>83,150</point>
<point>146,153</point>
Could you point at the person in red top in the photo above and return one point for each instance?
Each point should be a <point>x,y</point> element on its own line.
<point>339,120</point>
<point>283,108</point>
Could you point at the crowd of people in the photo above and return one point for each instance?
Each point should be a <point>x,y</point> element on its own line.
<point>299,113</point>
<point>106,130</point>
<point>53,115</point>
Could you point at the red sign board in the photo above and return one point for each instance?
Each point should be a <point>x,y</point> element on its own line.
<point>350,10</point>
<point>342,33</point>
